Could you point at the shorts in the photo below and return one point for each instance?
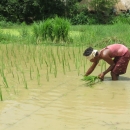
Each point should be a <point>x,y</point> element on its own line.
<point>121,64</point>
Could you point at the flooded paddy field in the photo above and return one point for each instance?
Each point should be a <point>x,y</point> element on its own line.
<point>41,89</point>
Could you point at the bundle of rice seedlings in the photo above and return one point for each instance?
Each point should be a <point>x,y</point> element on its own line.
<point>91,80</point>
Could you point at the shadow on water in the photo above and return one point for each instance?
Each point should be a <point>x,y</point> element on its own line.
<point>121,78</point>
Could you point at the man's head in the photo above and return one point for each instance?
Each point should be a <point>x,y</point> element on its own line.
<point>90,53</point>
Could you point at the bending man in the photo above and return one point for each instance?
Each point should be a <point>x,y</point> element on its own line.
<point>116,55</point>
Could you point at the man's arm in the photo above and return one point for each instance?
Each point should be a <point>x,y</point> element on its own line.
<point>109,60</point>
<point>91,69</point>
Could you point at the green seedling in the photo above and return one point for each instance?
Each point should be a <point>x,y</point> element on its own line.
<point>4,79</point>
<point>18,78</point>
<point>91,80</point>
<point>47,75</point>
<point>1,97</point>
<point>31,73</point>
<point>38,76</point>
<point>24,81</point>
<point>63,65</point>
<point>68,66</point>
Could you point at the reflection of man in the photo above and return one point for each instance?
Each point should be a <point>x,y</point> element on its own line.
<point>118,66</point>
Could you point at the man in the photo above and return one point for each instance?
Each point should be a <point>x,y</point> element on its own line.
<point>118,65</point>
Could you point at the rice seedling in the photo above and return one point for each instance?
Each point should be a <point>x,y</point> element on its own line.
<point>69,55</point>
<point>18,78</point>
<point>38,76</point>
<point>40,59</point>
<point>1,96</point>
<point>58,54</point>
<point>7,53</point>
<point>64,56</point>
<point>55,69</point>
<point>4,79</point>
<point>47,75</point>
<point>76,62</point>
<point>24,81</point>
<point>69,66</point>
<point>91,80</point>
<point>2,62</point>
<point>34,59</point>
<point>31,73</point>
<point>54,60</point>
<point>48,55</point>
<point>5,82</point>
<point>13,53</point>
<point>63,65</point>
<point>64,28</point>
<point>73,53</point>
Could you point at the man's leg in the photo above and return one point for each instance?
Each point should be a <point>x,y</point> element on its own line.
<point>120,67</point>
<point>114,76</point>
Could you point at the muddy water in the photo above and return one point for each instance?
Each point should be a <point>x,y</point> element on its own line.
<point>65,102</point>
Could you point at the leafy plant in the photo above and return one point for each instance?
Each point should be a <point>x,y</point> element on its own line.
<point>80,18</point>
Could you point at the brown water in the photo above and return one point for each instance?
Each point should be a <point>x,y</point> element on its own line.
<point>65,102</point>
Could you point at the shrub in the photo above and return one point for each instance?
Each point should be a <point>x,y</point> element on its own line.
<point>80,18</point>
<point>122,18</point>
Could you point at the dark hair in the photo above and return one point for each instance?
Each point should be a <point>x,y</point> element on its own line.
<point>96,53</point>
<point>88,51</point>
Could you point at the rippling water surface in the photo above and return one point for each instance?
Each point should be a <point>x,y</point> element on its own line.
<point>70,105</point>
<point>67,103</point>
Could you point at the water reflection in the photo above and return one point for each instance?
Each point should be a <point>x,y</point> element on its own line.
<point>73,105</point>
<point>66,102</point>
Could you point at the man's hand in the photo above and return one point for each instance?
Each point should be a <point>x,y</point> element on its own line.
<point>101,76</point>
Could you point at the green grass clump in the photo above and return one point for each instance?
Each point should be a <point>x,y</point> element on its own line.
<point>91,80</point>
<point>54,30</point>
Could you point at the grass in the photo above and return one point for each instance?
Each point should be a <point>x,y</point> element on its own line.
<point>94,35</point>
<point>101,35</point>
